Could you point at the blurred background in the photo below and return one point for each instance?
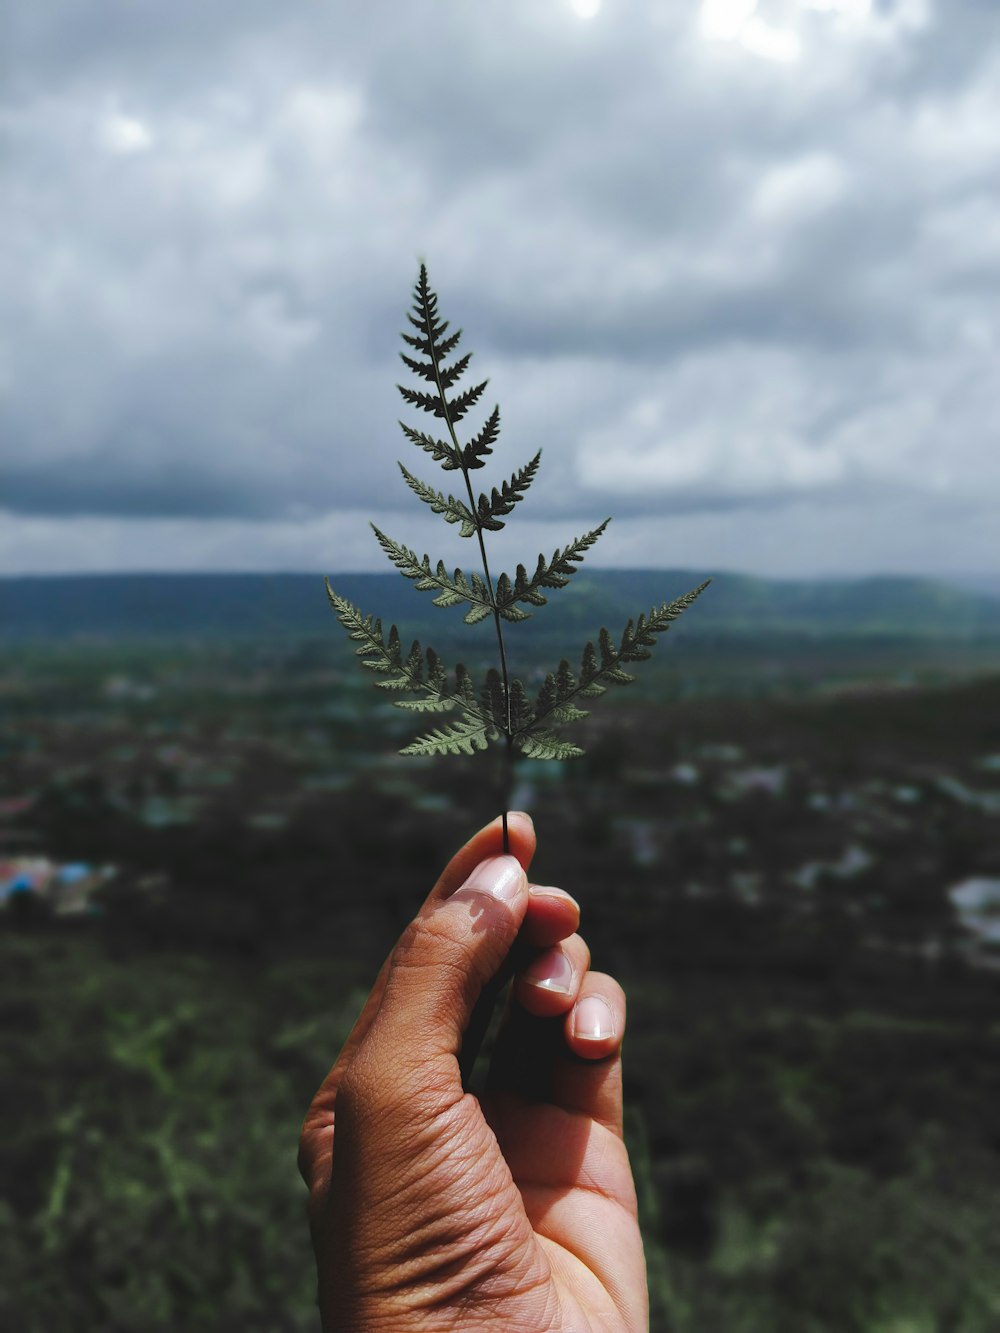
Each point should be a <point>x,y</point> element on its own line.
<point>733,265</point>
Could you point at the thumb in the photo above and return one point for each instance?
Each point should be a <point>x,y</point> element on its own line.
<point>444,960</point>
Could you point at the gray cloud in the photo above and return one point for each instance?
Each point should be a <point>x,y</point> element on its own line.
<point>708,283</point>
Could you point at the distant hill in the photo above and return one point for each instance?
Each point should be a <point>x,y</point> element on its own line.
<point>294,605</point>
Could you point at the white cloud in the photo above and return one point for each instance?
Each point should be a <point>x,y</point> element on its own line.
<point>707,284</point>
<point>124,135</point>
<point>792,192</point>
<point>725,20</point>
<point>770,42</point>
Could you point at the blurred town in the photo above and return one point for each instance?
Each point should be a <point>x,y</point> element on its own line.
<point>791,860</point>
<point>873,800</point>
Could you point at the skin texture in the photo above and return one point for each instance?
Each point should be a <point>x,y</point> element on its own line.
<point>433,1210</point>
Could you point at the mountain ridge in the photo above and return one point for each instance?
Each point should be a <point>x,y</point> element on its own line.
<point>61,607</point>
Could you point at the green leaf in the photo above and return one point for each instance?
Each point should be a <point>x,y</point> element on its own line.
<point>555,573</point>
<point>543,744</point>
<point>452,589</point>
<point>427,402</point>
<point>479,446</point>
<point>463,737</point>
<point>427,705</point>
<point>441,452</point>
<point>493,701</point>
<point>458,407</point>
<point>385,657</point>
<point>500,708</point>
<point>555,698</point>
<point>452,510</point>
<point>502,501</point>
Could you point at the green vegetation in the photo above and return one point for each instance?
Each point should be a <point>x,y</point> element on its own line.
<point>501,709</point>
<point>813,1055</point>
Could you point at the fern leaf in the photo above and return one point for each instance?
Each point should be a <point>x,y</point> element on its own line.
<point>452,589</point>
<point>437,676</point>
<point>450,375</point>
<point>506,602</point>
<point>427,402</point>
<point>426,705</point>
<point>555,694</point>
<point>402,557</point>
<point>544,744</point>
<point>459,405</point>
<point>493,701</point>
<point>425,369</point>
<point>555,698</point>
<point>425,344</point>
<point>420,672</point>
<point>482,602</point>
<point>446,346</point>
<point>482,444</point>
<point>452,510</point>
<point>502,501</point>
<point>434,372</point>
<point>461,737</point>
<point>501,708</point>
<point>555,573</point>
<point>440,451</point>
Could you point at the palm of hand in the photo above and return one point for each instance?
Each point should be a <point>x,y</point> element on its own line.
<point>575,1186</point>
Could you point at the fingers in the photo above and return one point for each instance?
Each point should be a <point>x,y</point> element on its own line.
<point>436,973</point>
<point>554,915</point>
<point>486,843</point>
<point>593,1032</point>
<point>549,985</point>
<point>567,1024</point>
<point>561,1041</point>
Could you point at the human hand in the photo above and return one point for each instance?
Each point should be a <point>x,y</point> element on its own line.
<point>436,1210</point>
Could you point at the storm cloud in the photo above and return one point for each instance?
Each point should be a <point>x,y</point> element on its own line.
<point>735,267</point>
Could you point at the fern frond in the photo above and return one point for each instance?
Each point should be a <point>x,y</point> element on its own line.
<point>482,444</point>
<point>501,707</point>
<point>447,375</point>
<point>510,717</point>
<point>444,347</point>
<point>452,510</point>
<point>493,700</point>
<point>546,745</point>
<point>452,589</point>
<point>427,402</point>
<point>555,701</point>
<point>428,705</point>
<point>442,453</point>
<point>553,697</point>
<point>450,375</point>
<point>422,673</point>
<point>459,405</point>
<point>385,656</point>
<point>462,737</point>
<point>555,573</point>
<point>499,502</point>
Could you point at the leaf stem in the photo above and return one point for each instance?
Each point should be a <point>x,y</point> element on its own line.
<point>474,510</point>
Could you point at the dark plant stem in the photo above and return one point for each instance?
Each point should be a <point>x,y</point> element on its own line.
<point>492,995</point>
<point>474,511</point>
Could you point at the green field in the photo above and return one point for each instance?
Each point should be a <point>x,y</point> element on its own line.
<point>813,1057</point>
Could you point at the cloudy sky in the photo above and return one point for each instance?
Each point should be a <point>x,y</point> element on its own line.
<point>735,266</point>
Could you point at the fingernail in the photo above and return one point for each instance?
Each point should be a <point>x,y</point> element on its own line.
<point>593,1019</point>
<point>500,877</point>
<point>558,895</point>
<point>552,971</point>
